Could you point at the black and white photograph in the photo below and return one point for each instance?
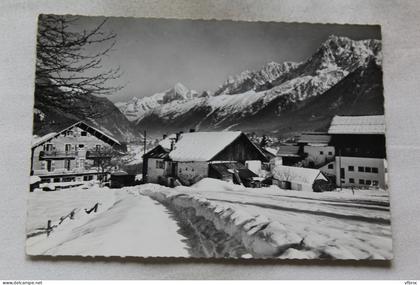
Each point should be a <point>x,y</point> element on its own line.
<point>159,137</point>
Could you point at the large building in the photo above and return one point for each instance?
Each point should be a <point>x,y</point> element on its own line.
<point>359,143</point>
<point>186,158</point>
<point>72,154</point>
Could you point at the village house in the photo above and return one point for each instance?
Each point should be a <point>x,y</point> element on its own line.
<point>297,178</point>
<point>311,150</point>
<point>359,143</point>
<point>71,155</point>
<point>316,149</point>
<point>186,158</point>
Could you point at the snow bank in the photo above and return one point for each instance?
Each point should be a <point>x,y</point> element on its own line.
<point>261,237</point>
<point>271,222</point>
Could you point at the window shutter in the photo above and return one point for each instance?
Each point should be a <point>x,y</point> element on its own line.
<point>52,165</point>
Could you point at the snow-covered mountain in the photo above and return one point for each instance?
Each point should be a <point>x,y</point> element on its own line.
<point>138,108</point>
<point>253,99</point>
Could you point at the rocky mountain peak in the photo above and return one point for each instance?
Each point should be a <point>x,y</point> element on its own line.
<point>344,53</point>
<point>137,108</point>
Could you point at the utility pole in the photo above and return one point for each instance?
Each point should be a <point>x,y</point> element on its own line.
<point>339,162</point>
<point>144,142</point>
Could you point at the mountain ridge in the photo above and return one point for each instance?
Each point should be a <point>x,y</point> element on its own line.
<point>275,88</point>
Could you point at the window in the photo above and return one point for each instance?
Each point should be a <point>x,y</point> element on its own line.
<point>83,134</point>
<point>351,180</point>
<point>98,147</point>
<point>351,168</point>
<point>330,166</point>
<point>159,164</point>
<point>367,169</point>
<point>368,182</point>
<point>67,147</point>
<point>85,178</point>
<point>375,183</point>
<point>81,163</point>
<point>361,169</point>
<point>81,146</point>
<point>374,169</point>
<point>330,153</point>
<point>48,147</point>
<point>361,181</point>
<point>56,180</point>
<point>321,152</point>
<point>67,164</point>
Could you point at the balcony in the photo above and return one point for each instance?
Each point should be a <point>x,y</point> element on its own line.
<point>57,154</point>
<point>63,171</point>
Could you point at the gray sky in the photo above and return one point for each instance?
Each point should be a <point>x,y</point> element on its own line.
<point>154,54</point>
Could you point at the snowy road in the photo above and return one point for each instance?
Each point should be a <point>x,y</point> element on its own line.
<point>126,225</point>
<point>333,225</point>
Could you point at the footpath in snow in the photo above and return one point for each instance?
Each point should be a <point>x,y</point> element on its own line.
<point>125,225</point>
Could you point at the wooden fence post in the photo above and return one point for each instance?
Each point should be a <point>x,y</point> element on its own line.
<point>49,228</point>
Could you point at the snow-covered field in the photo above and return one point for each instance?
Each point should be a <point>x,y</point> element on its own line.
<point>125,225</point>
<point>212,218</point>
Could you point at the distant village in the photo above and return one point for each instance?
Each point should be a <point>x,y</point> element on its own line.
<point>351,154</point>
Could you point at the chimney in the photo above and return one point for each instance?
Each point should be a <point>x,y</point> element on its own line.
<point>164,136</point>
<point>192,130</point>
<point>178,135</point>
<point>172,144</point>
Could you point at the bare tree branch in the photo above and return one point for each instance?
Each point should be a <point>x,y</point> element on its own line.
<point>64,61</point>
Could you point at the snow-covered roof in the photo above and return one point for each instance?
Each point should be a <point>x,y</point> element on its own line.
<point>201,146</point>
<point>166,142</point>
<point>315,138</point>
<point>271,150</point>
<point>98,133</point>
<point>297,174</point>
<point>357,125</point>
<point>288,151</point>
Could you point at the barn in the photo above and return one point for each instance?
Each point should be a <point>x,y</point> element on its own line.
<point>186,158</point>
